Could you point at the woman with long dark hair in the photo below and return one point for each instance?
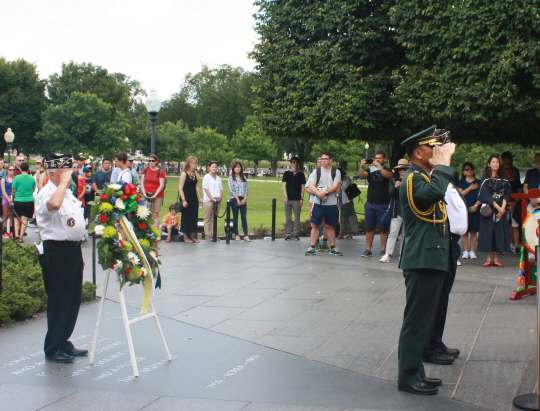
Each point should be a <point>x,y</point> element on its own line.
<point>469,186</point>
<point>238,187</point>
<point>190,196</point>
<point>495,192</point>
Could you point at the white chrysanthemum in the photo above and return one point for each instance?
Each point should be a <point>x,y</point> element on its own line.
<point>118,266</point>
<point>142,212</point>
<point>153,254</point>
<point>144,272</point>
<point>120,204</point>
<point>133,258</point>
<point>115,186</point>
<point>98,230</point>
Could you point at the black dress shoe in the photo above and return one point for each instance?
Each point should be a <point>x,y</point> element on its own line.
<point>454,352</point>
<point>420,388</point>
<point>440,359</point>
<point>78,353</point>
<point>59,356</point>
<point>436,382</point>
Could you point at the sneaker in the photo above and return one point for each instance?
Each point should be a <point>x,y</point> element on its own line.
<point>288,238</point>
<point>472,255</point>
<point>296,238</point>
<point>325,247</point>
<point>319,247</point>
<point>367,253</point>
<point>385,258</point>
<point>459,263</point>
<point>465,255</point>
<point>311,251</point>
<point>6,235</point>
<point>518,250</point>
<point>512,248</point>
<point>335,251</point>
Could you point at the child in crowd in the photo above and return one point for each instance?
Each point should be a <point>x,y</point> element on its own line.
<point>170,223</point>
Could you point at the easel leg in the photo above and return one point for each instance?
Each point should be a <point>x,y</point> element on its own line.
<point>128,334</point>
<point>167,353</point>
<point>98,322</point>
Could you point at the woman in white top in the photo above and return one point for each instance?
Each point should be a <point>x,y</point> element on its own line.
<point>213,192</point>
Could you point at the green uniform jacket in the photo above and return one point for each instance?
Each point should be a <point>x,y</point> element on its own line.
<point>425,245</point>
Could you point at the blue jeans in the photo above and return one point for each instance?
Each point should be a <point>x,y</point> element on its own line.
<point>243,210</point>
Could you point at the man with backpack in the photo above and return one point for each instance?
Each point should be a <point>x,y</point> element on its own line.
<point>327,180</point>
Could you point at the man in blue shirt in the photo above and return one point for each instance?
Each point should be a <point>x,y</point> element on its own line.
<point>102,176</point>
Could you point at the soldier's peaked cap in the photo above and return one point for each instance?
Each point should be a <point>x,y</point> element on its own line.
<point>425,137</point>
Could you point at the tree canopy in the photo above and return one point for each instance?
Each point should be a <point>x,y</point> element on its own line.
<point>252,143</point>
<point>22,100</point>
<point>208,145</point>
<point>472,64</point>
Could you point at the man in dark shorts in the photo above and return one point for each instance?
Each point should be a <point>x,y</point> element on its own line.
<point>23,200</point>
<point>378,197</point>
<point>324,182</point>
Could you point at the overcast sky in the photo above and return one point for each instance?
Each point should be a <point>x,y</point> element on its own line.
<point>156,42</point>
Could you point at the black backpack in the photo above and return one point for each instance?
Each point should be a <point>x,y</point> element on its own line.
<point>333,174</point>
<point>352,191</point>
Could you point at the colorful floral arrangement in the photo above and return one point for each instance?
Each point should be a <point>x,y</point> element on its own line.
<point>115,252</point>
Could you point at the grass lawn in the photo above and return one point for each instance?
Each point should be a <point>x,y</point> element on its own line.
<point>259,203</point>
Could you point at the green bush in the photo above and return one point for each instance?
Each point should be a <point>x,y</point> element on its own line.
<point>23,293</point>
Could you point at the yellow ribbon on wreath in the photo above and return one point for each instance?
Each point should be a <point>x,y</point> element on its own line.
<point>128,228</point>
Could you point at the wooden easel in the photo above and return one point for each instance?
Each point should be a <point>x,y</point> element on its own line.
<point>127,323</point>
<point>530,286</point>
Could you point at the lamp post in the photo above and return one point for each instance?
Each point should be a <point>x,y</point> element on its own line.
<point>153,104</point>
<point>9,137</point>
<point>367,148</point>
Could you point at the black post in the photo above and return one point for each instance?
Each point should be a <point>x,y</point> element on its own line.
<point>214,239</point>
<point>153,120</point>
<point>94,261</point>
<point>228,223</point>
<point>273,219</point>
<point>1,251</point>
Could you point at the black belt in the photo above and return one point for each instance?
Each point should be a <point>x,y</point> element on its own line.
<point>64,243</point>
<point>454,237</point>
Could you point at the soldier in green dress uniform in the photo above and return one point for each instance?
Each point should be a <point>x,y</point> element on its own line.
<point>426,254</point>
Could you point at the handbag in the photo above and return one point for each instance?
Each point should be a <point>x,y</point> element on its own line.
<point>386,218</point>
<point>352,191</point>
<point>486,211</point>
<point>178,207</point>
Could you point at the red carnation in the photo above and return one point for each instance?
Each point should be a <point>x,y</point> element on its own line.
<point>156,242</point>
<point>103,218</point>
<point>126,273</point>
<point>142,226</point>
<point>120,243</point>
<point>103,197</point>
<point>112,265</point>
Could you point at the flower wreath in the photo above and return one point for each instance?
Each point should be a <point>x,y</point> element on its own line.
<point>113,251</point>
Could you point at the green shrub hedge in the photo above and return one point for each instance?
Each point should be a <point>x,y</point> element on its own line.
<point>23,293</point>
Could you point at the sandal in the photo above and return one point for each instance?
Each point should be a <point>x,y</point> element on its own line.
<point>340,237</point>
<point>349,237</point>
<point>20,241</point>
<point>487,264</point>
<point>187,240</point>
<point>246,238</point>
<point>238,238</point>
<point>498,264</point>
<point>168,240</point>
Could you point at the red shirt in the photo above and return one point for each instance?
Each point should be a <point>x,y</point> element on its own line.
<point>151,180</point>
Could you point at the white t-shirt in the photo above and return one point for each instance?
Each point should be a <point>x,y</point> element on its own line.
<point>214,186</point>
<point>126,176</point>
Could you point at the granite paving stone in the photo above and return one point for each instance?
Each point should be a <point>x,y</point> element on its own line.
<point>168,403</point>
<point>17,397</point>
<point>490,384</point>
<point>175,304</point>
<point>249,330</point>
<point>243,297</point>
<point>471,303</point>
<point>280,281</point>
<point>101,400</point>
<point>349,301</point>
<point>277,309</point>
<point>216,288</point>
<point>496,344</point>
<point>382,312</point>
<point>311,289</point>
<point>287,407</point>
<point>207,317</point>
<point>303,346</point>
<point>315,322</point>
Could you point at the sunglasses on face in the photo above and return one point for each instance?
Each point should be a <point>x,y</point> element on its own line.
<point>151,161</point>
<point>468,169</point>
<point>10,169</point>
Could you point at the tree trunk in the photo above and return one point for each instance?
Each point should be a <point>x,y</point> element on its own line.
<point>398,152</point>
<point>273,164</point>
<point>255,165</point>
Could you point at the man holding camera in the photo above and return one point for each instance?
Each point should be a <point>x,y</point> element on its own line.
<point>378,197</point>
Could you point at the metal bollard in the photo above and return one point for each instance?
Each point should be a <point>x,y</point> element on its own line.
<point>273,219</point>
<point>214,239</point>
<point>228,223</point>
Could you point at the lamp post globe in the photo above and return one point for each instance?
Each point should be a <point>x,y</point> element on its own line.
<point>367,148</point>
<point>9,136</point>
<point>153,104</point>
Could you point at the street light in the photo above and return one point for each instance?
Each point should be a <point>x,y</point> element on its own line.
<point>153,104</point>
<point>9,137</point>
<point>367,148</point>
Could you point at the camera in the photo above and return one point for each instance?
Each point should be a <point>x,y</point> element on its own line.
<point>370,161</point>
<point>149,194</point>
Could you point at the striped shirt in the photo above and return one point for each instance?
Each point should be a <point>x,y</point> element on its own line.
<point>238,187</point>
